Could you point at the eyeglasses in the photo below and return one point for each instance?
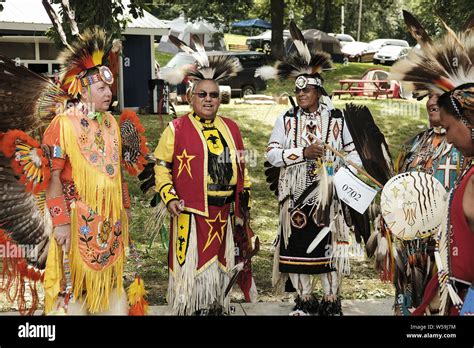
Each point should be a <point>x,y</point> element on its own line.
<point>203,94</point>
<point>304,90</point>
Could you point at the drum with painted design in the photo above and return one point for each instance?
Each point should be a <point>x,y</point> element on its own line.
<point>413,204</point>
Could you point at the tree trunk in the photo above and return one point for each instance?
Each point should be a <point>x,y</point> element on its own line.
<point>327,23</point>
<point>311,19</point>
<point>277,9</point>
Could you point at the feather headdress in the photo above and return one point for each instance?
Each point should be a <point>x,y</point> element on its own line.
<point>215,68</point>
<point>90,50</point>
<point>302,61</point>
<point>439,66</point>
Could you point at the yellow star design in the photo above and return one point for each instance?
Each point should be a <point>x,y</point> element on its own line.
<point>185,163</point>
<point>217,230</point>
<point>395,191</point>
<point>404,183</point>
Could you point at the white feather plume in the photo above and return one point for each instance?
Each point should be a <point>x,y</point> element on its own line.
<point>267,72</point>
<point>174,76</point>
<point>200,54</point>
<point>303,50</point>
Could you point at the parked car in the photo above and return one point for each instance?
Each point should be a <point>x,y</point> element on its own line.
<point>344,39</point>
<point>244,83</point>
<point>390,54</point>
<point>263,41</point>
<point>356,52</point>
<point>376,45</point>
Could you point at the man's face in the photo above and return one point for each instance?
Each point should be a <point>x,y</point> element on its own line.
<point>457,133</point>
<point>433,111</point>
<point>203,104</point>
<point>100,96</point>
<point>308,98</point>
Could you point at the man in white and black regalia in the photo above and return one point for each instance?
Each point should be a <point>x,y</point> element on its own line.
<point>309,209</point>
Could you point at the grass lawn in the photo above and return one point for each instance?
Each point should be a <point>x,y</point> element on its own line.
<point>162,57</point>
<point>398,119</point>
<point>234,39</point>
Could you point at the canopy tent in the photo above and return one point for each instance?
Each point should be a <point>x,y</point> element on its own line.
<point>252,23</point>
<point>183,29</point>
<point>321,41</point>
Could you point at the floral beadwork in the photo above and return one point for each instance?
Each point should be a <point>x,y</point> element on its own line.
<point>85,230</point>
<point>100,240</point>
<point>99,143</point>
<point>110,169</point>
<point>93,157</point>
<point>83,139</point>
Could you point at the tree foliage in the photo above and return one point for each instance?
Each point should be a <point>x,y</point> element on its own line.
<point>220,13</point>
<point>380,19</point>
<point>111,15</point>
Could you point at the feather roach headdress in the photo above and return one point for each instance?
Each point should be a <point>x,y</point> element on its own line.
<point>215,68</point>
<point>90,50</point>
<point>303,65</point>
<point>441,66</point>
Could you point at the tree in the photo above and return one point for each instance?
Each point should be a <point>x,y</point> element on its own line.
<point>111,15</point>
<point>220,13</point>
<point>278,11</point>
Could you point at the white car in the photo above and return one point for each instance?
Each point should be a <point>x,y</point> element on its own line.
<point>354,51</point>
<point>390,54</point>
<point>263,41</point>
<point>344,39</point>
<point>376,45</point>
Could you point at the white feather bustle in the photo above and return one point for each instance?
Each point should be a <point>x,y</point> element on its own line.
<point>267,72</point>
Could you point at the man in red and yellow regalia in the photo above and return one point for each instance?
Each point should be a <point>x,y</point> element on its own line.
<point>201,177</point>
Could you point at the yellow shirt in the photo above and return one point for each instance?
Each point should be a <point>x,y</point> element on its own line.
<point>164,153</point>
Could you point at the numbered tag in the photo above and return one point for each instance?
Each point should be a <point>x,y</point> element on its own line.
<point>353,191</point>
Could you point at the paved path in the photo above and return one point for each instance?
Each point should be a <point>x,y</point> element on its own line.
<point>349,307</point>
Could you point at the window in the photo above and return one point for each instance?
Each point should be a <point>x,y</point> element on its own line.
<point>39,68</point>
<point>48,51</point>
<point>22,50</point>
<point>251,60</point>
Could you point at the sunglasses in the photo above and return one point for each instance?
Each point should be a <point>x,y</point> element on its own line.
<point>304,90</point>
<point>203,94</point>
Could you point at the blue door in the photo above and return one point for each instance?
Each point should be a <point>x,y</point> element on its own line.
<point>136,70</point>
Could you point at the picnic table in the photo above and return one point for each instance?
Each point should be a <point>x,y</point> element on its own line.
<point>369,88</point>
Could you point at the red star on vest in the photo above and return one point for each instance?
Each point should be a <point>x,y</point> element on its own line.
<point>217,230</point>
<point>185,162</point>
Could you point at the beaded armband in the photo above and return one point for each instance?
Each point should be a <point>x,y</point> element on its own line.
<point>58,210</point>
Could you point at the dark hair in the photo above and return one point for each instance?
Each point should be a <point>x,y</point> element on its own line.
<point>451,104</point>
<point>92,71</point>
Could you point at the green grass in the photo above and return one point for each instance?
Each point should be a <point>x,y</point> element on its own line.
<point>163,57</point>
<point>398,119</point>
<point>256,123</point>
<point>331,77</point>
<point>234,39</point>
